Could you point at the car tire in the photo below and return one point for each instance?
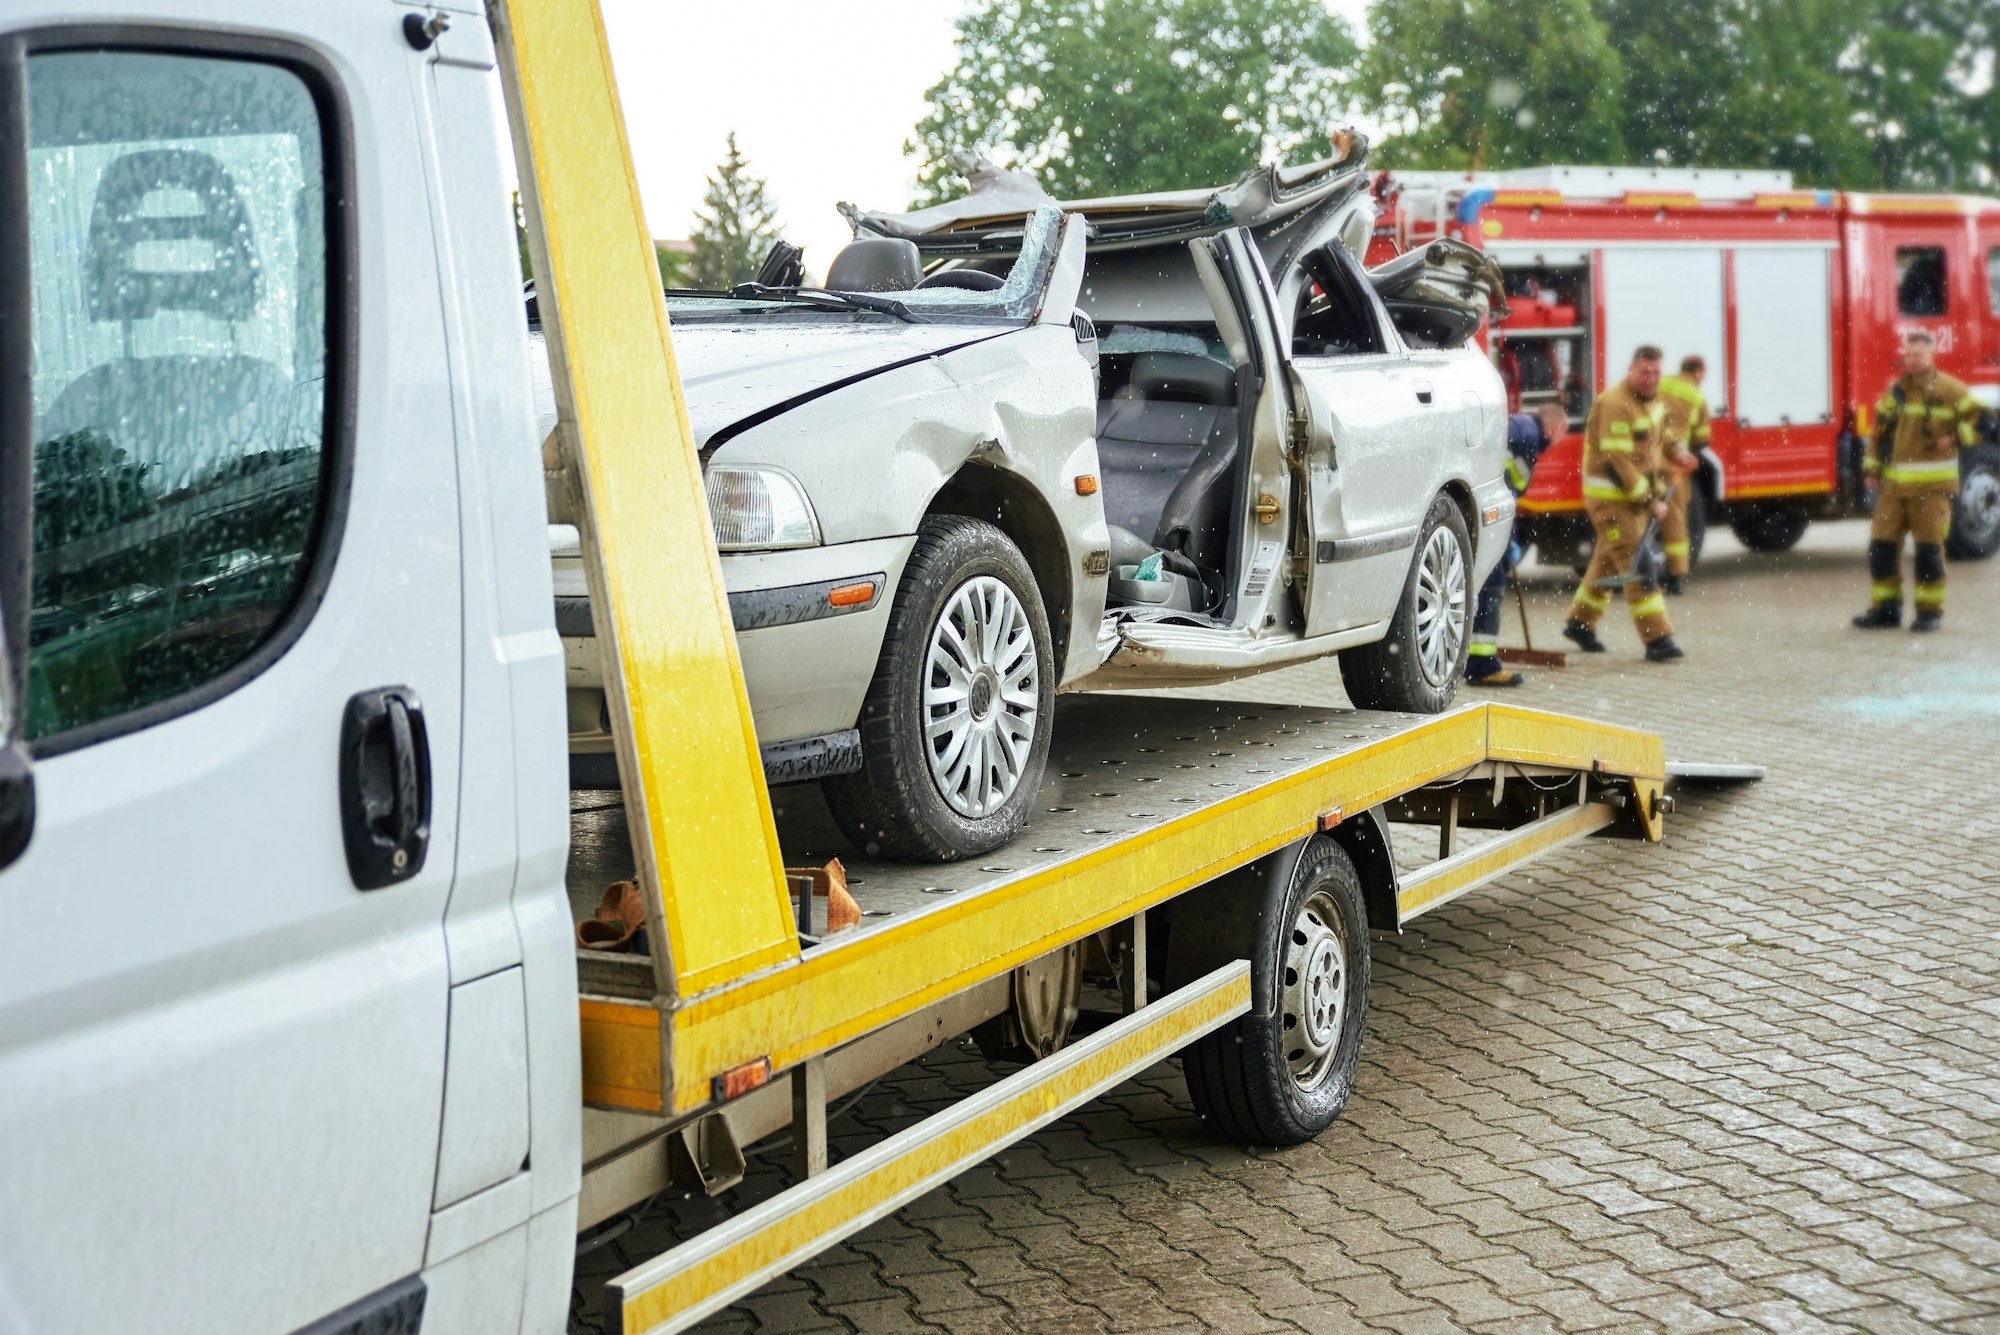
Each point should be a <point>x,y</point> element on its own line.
<point>1282,1078</point>
<point>937,796</point>
<point>1769,528</point>
<point>1975,513</point>
<point>1416,667</point>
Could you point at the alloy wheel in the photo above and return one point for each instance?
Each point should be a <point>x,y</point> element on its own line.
<point>1440,605</point>
<point>981,697</point>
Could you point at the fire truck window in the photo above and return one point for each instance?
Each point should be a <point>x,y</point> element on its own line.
<point>1920,286</point>
<point>1334,318</point>
<point>1993,278</point>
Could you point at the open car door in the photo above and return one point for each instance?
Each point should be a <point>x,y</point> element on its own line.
<point>1261,509</point>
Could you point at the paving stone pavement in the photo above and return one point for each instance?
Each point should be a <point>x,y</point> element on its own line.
<point>1746,1080</point>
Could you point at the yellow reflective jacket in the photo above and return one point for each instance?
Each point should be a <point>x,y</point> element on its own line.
<point>1686,423</point>
<point>1914,414</point>
<point>1620,439</point>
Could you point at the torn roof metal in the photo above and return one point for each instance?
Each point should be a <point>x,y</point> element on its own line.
<point>987,219</point>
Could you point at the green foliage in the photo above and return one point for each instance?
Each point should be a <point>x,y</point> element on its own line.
<point>673,266</point>
<point>1114,96</point>
<point>1485,84</point>
<point>734,227</point>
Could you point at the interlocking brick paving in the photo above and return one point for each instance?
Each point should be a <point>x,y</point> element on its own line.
<point>1747,1080</point>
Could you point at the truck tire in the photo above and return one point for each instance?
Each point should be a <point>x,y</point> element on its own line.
<point>1769,527</point>
<point>1975,514</point>
<point>955,725</point>
<point>1416,667</point>
<point>1282,1078</point>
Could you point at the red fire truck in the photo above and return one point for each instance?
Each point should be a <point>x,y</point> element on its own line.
<point>1797,299</point>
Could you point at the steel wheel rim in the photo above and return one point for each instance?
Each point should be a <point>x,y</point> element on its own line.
<point>1440,606</point>
<point>1979,507</point>
<point>1315,994</point>
<point>982,697</point>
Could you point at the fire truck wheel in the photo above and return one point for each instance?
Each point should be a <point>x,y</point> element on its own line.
<point>1975,515</point>
<point>1769,528</point>
<point>1282,1078</point>
<point>1415,667</point>
<point>955,725</point>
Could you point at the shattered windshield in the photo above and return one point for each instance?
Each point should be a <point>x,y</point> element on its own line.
<point>1016,299</point>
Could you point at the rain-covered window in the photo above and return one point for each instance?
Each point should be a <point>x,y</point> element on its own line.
<point>1920,288</point>
<point>177,224</point>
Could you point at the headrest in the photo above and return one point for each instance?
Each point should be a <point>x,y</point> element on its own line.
<point>128,284</point>
<point>1183,376</point>
<point>876,264</point>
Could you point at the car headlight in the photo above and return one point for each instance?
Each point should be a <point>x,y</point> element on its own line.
<point>759,509</point>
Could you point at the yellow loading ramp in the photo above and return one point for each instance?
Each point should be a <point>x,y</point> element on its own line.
<point>1147,798</point>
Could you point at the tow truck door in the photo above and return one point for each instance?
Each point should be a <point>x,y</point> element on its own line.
<point>223,974</point>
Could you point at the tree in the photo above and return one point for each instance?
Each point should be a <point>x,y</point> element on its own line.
<point>1857,94</point>
<point>734,227</point>
<point>1470,84</point>
<point>1113,96</point>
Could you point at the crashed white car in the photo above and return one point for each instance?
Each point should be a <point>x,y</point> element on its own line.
<point>1017,446</point>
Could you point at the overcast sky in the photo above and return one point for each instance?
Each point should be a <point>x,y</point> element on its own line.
<point>822,95</point>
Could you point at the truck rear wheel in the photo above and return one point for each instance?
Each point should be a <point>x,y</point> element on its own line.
<point>1770,527</point>
<point>1975,515</point>
<point>955,725</point>
<point>1282,1078</point>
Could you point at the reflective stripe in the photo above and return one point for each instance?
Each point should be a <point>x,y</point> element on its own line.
<point>1482,650</point>
<point>1595,489</point>
<point>1680,389</point>
<point>1619,427</point>
<point>1966,434</point>
<point>1886,591</point>
<point>1968,404</point>
<point>1653,606</point>
<point>1517,476</point>
<point>1614,447</point>
<point>1944,410</point>
<point>1929,595</point>
<point>1597,602</point>
<point>1942,470</point>
<point>1700,433</point>
<point>1885,406</point>
<point>1677,548</point>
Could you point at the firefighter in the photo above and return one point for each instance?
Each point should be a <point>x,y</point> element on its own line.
<point>1685,438</point>
<point>1924,419</point>
<point>1621,487</point>
<point>1528,434</point>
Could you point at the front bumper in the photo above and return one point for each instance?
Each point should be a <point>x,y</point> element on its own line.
<point>806,664</point>
<point>1493,508</point>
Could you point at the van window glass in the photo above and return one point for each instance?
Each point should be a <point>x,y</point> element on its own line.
<point>177,256</point>
<point>1993,279</point>
<point>1920,285</point>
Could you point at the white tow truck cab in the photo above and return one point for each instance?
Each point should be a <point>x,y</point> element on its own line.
<point>292,1032</point>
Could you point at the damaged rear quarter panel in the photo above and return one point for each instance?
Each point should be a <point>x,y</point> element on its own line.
<point>873,456</point>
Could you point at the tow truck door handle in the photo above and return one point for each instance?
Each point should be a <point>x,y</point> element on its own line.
<point>385,786</point>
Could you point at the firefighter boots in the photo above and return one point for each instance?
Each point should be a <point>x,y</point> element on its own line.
<point>1928,620</point>
<point>1676,585</point>
<point>1881,616</point>
<point>1664,650</point>
<point>1584,637</point>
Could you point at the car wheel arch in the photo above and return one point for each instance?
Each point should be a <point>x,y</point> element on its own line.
<point>1015,506</point>
<point>1460,494</point>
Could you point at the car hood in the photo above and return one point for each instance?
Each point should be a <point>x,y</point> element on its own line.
<point>737,371</point>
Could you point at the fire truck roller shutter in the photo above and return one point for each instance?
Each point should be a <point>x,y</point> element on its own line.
<point>1671,297</point>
